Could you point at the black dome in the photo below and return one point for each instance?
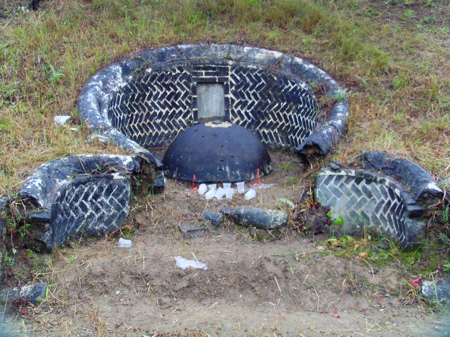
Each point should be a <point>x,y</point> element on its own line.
<point>216,151</point>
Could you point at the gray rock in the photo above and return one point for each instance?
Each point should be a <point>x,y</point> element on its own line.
<point>189,229</point>
<point>438,291</point>
<point>160,181</point>
<point>259,218</point>
<point>383,245</point>
<point>34,293</point>
<point>335,165</point>
<point>215,218</point>
<point>192,231</point>
<point>226,210</point>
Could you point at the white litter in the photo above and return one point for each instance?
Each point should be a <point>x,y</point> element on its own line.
<point>229,193</point>
<point>184,264</point>
<point>210,194</point>
<point>241,186</point>
<point>220,192</point>
<point>226,185</point>
<point>212,186</point>
<point>202,189</point>
<point>250,194</point>
<point>124,243</point>
<point>61,120</point>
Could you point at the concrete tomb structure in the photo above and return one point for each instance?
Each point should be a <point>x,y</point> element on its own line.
<point>217,108</point>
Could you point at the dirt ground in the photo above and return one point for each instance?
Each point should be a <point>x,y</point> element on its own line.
<point>277,284</point>
<point>280,288</point>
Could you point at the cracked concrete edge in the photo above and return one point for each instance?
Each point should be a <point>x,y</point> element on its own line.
<point>423,187</point>
<point>41,188</point>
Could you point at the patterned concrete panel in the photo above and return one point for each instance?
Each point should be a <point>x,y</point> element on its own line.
<point>157,104</point>
<point>153,109</point>
<point>365,199</point>
<point>278,109</point>
<point>88,194</point>
<point>93,205</point>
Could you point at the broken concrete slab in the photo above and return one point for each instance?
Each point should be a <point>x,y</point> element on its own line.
<point>367,201</point>
<point>419,182</point>
<point>89,194</point>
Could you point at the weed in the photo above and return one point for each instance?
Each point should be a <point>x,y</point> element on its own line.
<point>55,75</point>
<point>99,168</point>
<point>285,166</point>
<point>340,96</point>
<point>9,260</point>
<point>446,267</point>
<point>408,13</point>
<point>444,238</point>
<point>445,215</point>
<point>292,270</point>
<point>339,221</point>
<point>23,229</point>
<point>283,203</point>
<point>371,12</point>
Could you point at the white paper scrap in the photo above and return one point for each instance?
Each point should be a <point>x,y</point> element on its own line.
<point>61,120</point>
<point>184,264</point>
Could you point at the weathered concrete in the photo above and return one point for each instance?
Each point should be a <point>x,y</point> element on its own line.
<point>146,100</point>
<point>421,184</point>
<point>363,200</point>
<point>89,194</point>
<point>438,291</point>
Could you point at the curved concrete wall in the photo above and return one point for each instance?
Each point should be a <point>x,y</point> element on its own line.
<point>147,99</point>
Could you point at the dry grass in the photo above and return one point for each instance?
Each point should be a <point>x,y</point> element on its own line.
<point>395,74</point>
<point>394,66</point>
